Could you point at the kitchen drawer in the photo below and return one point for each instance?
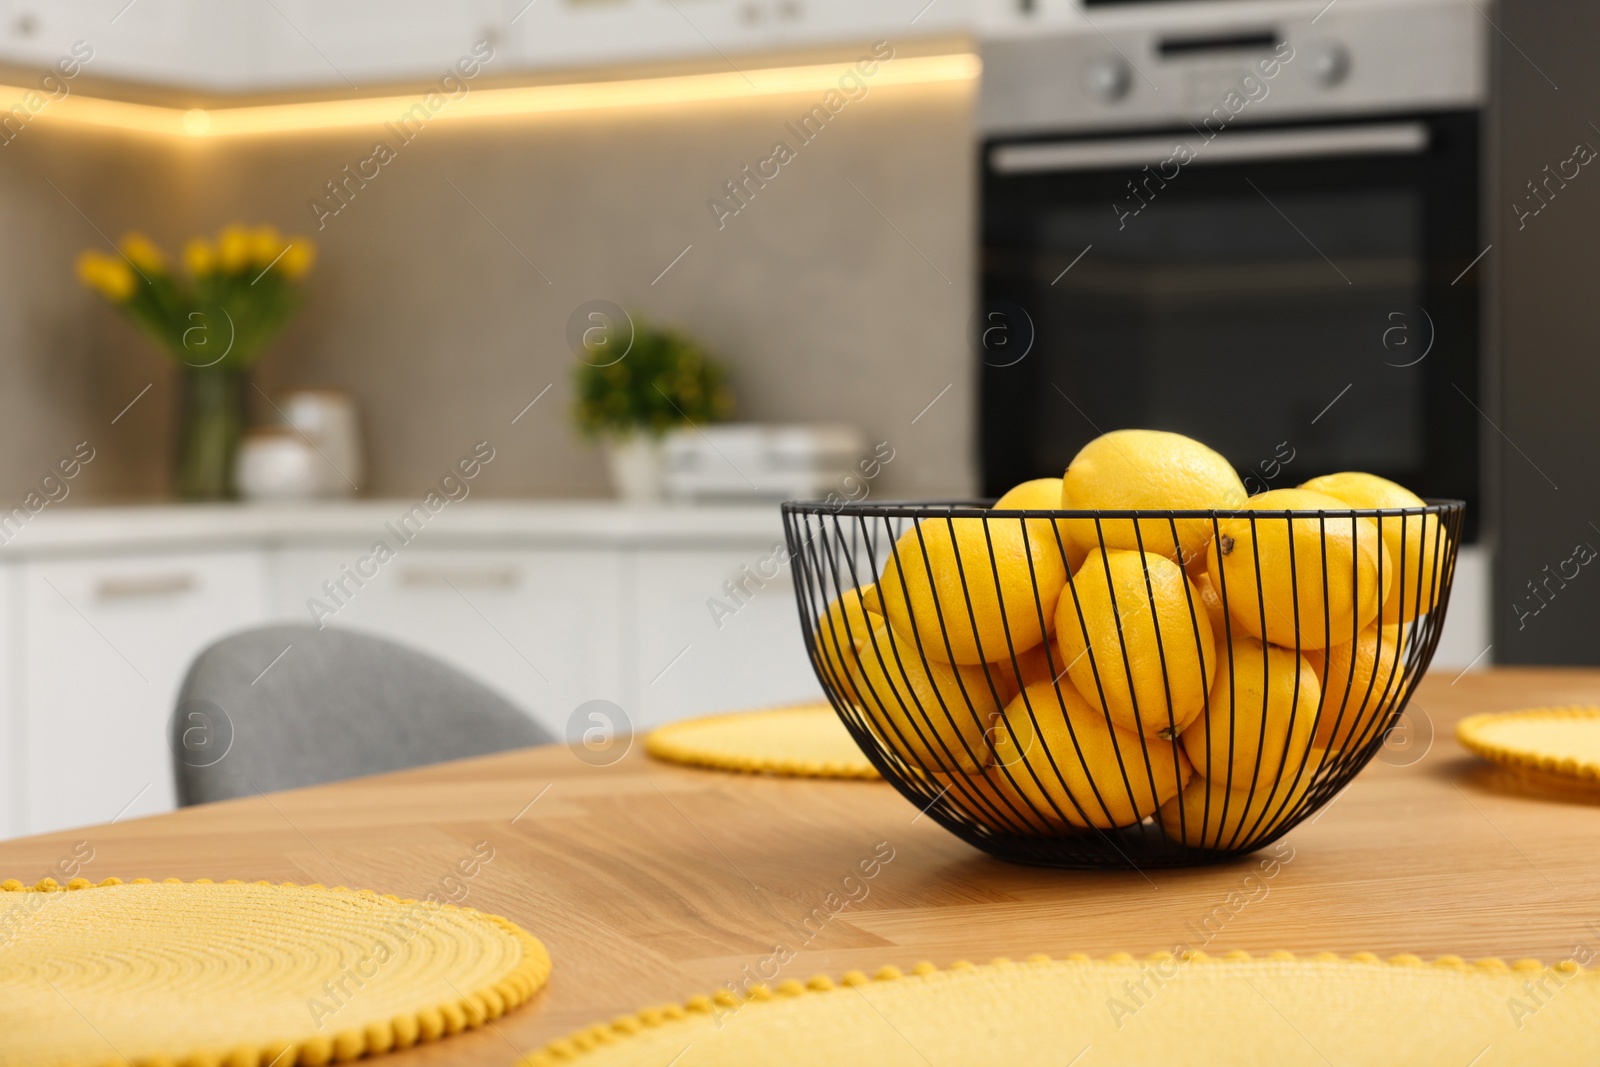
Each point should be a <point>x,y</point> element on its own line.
<point>703,648</point>
<point>105,648</point>
<point>542,627</point>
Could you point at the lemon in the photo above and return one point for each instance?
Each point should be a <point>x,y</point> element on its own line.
<point>991,800</point>
<point>1064,764</point>
<point>934,715</point>
<point>1132,627</point>
<point>1132,469</point>
<point>973,583</point>
<point>1320,579</point>
<point>844,628</point>
<point>1213,605</point>
<point>1043,494</point>
<point>1358,685</point>
<point>1260,718</point>
<point>1208,815</point>
<point>1030,667</point>
<point>1414,541</point>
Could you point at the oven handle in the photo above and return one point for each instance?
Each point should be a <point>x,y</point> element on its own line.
<point>1388,138</point>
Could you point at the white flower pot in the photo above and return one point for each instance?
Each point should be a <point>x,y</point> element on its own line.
<point>637,467</point>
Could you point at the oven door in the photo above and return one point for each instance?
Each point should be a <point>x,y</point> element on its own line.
<point>1302,298</point>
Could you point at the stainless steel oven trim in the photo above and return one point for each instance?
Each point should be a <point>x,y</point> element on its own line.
<point>1388,138</point>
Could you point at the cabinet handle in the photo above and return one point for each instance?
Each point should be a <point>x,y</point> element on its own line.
<point>146,585</point>
<point>472,577</point>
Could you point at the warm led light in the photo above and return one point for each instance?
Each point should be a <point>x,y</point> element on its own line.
<point>493,103</point>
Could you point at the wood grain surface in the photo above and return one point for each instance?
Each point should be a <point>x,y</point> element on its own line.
<point>650,882</point>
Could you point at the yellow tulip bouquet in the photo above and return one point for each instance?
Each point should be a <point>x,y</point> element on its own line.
<point>215,319</point>
<point>239,292</point>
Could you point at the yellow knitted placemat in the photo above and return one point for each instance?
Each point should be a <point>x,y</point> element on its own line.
<point>201,974</point>
<point>1561,742</point>
<point>1274,1011</point>
<point>800,740</point>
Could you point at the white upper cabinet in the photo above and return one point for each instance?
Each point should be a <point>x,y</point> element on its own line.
<point>164,42</point>
<point>552,34</point>
<point>805,23</point>
<point>568,33</point>
<point>346,45</point>
<point>353,43</point>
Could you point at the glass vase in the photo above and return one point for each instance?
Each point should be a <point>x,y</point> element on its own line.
<point>211,419</point>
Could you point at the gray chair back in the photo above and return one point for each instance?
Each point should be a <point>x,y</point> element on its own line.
<point>287,706</point>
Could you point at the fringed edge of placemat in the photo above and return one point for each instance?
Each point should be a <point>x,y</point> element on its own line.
<point>465,1012</point>
<point>575,1045</point>
<point>1471,733</point>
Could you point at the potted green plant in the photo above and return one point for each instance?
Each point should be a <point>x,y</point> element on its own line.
<point>215,320</point>
<point>663,381</point>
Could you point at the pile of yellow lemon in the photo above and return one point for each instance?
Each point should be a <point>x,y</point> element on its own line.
<point>1093,672</point>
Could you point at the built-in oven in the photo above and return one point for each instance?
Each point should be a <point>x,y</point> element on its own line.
<point>1256,229</point>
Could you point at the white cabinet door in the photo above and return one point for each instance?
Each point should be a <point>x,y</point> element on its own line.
<point>105,647</point>
<point>542,627</point>
<point>795,23</point>
<point>36,32</point>
<point>574,33</point>
<point>694,656</point>
<point>361,42</point>
<point>166,42</point>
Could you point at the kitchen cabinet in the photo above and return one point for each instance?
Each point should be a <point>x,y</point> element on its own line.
<point>359,42</point>
<point>356,44</point>
<point>797,23</point>
<point>557,33</point>
<point>716,630</point>
<point>153,41</point>
<point>102,610</point>
<point>542,627</point>
<point>665,612</point>
<point>1544,461</point>
<point>106,642</point>
<point>562,33</point>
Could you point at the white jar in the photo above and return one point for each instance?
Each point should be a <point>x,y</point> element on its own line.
<point>276,463</point>
<point>327,417</point>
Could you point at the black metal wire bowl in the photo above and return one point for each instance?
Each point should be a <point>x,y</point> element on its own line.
<point>954,679</point>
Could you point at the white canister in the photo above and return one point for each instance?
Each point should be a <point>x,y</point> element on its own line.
<point>327,417</point>
<point>277,463</point>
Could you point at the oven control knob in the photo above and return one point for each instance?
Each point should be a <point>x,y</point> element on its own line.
<point>1329,63</point>
<point>1107,77</point>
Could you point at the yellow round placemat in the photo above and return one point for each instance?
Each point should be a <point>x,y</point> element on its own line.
<point>1559,742</point>
<point>201,974</point>
<point>1192,1010</point>
<point>802,740</point>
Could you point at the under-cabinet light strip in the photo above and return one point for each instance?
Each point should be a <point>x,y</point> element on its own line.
<point>512,102</point>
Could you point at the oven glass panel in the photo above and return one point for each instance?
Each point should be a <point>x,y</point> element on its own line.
<point>1296,316</point>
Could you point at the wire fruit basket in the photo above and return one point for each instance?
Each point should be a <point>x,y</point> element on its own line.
<point>1099,689</point>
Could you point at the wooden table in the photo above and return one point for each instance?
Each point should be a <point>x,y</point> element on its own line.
<point>650,883</point>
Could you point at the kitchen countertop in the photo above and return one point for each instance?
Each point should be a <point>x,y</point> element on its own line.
<point>477,522</point>
<point>595,523</point>
<point>651,883</point>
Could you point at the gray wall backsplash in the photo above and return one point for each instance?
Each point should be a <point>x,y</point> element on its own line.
<point>841,293</point>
